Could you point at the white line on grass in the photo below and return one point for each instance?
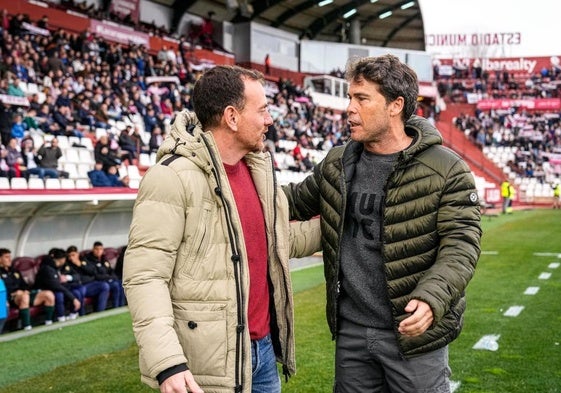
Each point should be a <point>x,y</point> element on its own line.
<point>554,265</point>
<point>454,385</point>
<point>531,290</point>
<point>488,342</point>
<point>544,276</point>
<point>547,254</point>
<point>513,311</point>
<point>489,252</point>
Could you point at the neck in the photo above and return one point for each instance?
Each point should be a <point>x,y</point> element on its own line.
<point>227,148</point>
<point>393,141</point>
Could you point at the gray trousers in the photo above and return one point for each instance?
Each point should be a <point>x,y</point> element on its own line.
<point>367,360</point>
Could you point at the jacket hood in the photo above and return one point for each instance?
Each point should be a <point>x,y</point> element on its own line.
<point>425,134</point>
<point>188,139</point>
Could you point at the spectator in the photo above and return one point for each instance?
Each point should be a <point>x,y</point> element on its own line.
<point>18,127</point>
<point>156,139</point>
<point>20,295</point>
<point>48,155</point>
<point>113,176</point>
<point>106,153</point>
<point>267,64</point>
<point>99,178</point>
<point>66,122</point>
<point>150,119</point>
<point>128,145</point>
<point>14,88</point>
<point>105,272</point>
<point>14,158</point>
<point>48,278</point>
<point>5,169</point>
<point>30,159</point>
<point>98,289</point>
<point>6,114</point>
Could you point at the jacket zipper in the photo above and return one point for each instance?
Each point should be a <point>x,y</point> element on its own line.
<point>236,260</point>
<point>286,354</point>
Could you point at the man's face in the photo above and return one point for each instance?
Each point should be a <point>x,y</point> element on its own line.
<point>98,251</point>
<point>255,118</point>
<point>6,260</point>
<point>73,255</point>
<point>368,112</point>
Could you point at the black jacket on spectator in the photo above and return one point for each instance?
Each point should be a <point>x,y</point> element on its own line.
<point>103,269</point>
<point>87,271</point>
<point>48,277</point>
<point>69,269</point>
<point>13,280</point>
<point>48,156</point>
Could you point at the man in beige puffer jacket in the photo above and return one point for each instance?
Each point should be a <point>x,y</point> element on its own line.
<point>206,269</point>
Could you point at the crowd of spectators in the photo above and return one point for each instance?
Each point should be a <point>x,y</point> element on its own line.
<point>86,84</point>
<point>532,138</point>
<point>83,84</point>
<point>529,140</point>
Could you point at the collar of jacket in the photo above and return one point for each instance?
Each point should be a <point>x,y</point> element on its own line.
<point>424,135</point>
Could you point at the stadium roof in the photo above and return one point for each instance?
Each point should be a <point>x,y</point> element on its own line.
<point>383,23</point>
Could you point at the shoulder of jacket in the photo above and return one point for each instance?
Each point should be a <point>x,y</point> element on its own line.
<point>441,159</point>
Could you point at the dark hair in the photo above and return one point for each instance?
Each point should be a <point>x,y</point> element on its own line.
<point>97,244</point>
<point>4,251</point>
<point>71,249</point>
<point>57,253</point>
<point>218,88</point>
<point>394,78</point>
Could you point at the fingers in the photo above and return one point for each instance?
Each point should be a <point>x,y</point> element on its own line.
<point>192,386</point>
<point>419,321</point>
<point>180,383</point>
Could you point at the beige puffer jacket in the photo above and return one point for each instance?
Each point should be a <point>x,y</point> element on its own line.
<point>185,272</point>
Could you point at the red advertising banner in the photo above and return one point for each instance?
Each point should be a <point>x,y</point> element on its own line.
<point>513,65</point>
<point>126,7</point>
<point>493,195</point>
<point>537,104</point>
<point>118,33</point>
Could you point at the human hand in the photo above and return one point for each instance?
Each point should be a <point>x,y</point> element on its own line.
<point>419,321</point>
<point>77,304</point>
<point>180,383</point>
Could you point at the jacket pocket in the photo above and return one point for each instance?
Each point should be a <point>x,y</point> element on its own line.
<point>203,336</point>
<point>197,245</point>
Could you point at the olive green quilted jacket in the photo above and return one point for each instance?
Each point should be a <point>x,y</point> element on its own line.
<point>431,230</point>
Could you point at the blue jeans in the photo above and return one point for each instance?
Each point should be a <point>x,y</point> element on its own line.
<point>99,290</point>
<point>43,172</point>
<point>117,293</point>
<point>60,306</point>
<point>265,378</point>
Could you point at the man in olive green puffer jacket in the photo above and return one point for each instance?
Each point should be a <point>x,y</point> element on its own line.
<point>401,236</point>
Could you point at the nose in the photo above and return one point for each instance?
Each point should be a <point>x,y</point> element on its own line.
<point>350,107</point>
<point>268,119</point>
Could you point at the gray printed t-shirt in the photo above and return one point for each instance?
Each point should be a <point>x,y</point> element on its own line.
<point>364,295</point>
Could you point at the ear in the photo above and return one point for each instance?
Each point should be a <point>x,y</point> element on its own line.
<point>231,117</point>
<point>396,106</point>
